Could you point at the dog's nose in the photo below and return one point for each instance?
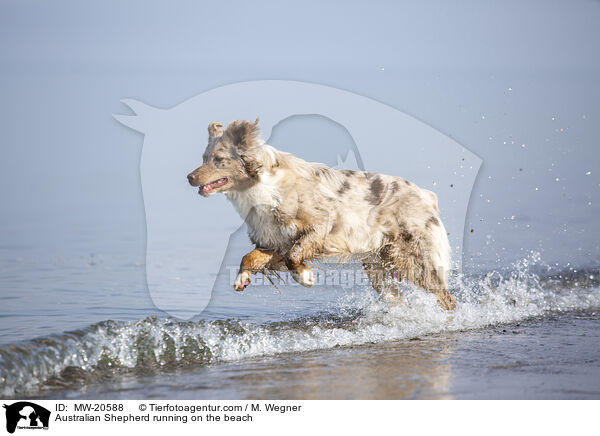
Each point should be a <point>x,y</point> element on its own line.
<point>191,178</point>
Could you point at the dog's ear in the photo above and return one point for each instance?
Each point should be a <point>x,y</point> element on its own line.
<point>243,134</point>
<point>215,130</point>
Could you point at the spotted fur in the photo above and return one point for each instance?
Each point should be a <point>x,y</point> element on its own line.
<point>298,211</point>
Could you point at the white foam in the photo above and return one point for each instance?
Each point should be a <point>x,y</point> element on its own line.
<point>358,318</point>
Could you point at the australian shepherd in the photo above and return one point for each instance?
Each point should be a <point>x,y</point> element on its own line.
<point>297,211</point>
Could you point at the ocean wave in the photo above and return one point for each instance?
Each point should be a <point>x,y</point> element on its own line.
<point>113,348</point>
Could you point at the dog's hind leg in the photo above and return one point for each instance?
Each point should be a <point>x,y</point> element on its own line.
<point>434,277</point>
<point>383,279</point>
<point>436,283</point>
<point>445,298</point>
<point>255,261</point>
<point>421,268</point>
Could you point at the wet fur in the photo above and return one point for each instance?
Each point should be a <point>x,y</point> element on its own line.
<point>298,210</point>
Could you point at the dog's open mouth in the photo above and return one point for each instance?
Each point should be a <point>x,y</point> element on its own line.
<point>208,188</point>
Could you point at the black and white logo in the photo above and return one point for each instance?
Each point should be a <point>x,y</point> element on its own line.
<point>26,415</point>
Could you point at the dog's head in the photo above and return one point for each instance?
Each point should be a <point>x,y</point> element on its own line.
<point>229,162</point>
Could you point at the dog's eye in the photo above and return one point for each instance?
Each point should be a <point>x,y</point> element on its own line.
<point>220,161</point>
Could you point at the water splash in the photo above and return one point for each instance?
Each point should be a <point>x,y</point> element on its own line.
<point>152,345</point>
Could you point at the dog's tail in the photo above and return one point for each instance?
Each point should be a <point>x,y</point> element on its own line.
<point>441,253</point>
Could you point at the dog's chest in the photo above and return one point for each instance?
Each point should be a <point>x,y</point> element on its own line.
<point>259,207</point>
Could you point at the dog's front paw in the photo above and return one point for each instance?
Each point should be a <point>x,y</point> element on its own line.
<point>241,281</point>
<point>306,277</point>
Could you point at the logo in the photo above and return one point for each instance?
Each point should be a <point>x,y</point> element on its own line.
<point>26,415</point>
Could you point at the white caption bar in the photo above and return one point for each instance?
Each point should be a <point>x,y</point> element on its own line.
<point>153,417</point>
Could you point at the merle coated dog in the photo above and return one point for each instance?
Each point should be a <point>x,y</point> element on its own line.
<point>297,211</point>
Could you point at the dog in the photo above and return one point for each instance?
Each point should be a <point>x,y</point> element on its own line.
<point>297,211</point>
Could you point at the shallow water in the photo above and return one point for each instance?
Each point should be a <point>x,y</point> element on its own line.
<point>525,331</point>
<point>540,358</point>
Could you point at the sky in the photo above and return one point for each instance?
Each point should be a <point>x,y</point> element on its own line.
<point>515,83</point>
